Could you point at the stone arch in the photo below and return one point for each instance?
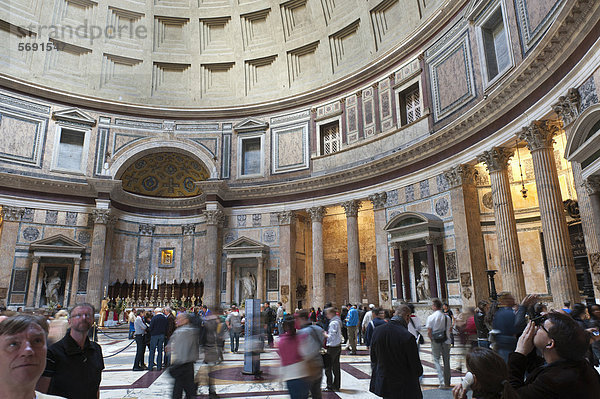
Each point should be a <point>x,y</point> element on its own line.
<point>581,140</point>
<point>141,149</point>
<point>411,218</point>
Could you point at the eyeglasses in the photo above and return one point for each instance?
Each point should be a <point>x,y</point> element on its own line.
<point>79,316</point>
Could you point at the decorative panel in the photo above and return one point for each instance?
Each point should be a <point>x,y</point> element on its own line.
<point>290,148</point>
<point>351,118</point>
<point>368,105</point>
<point>385,105</point>
<point>22,137</point>
<point>101,148</point>
<point>451,71</point>
<point>534,18</point>
<point>120,140</point>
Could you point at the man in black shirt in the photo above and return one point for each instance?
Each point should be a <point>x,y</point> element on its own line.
<point>74,364</point>
<point>158,329</point>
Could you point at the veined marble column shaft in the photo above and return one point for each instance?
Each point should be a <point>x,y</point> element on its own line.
<point>433,286</point>
<point>561,264</point>
<point>144,252</point>
<point>406,274</point>
<point>35,264</point>
<point>354,290</point>
<point>187,250</point>
<point>592,186</point>
<point>74,281</point>
<point>511,265</point>
<point>381,247</point>
<point>287,257</point>
<point>11,217</point>
<point>588,197</point>
<point>260,280</point>
<point>212,266</point>
<point>94,284</point>
<point>229,282</point>
<point>398,272</point>
<point>318,262</point>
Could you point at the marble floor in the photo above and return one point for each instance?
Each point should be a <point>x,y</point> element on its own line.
<point>119,381</point>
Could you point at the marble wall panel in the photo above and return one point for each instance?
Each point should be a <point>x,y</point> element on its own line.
<point>22,137</point>
<point>290,148</point>
<point>534,18</point>
<point>533,265</point>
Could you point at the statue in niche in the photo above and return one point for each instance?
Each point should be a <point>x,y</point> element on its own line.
<point>52,284</point>
<point>423,292</point>
<point>248,286</point>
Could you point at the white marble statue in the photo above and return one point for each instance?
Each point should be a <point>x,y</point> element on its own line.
<point>52,286</point>
<point>423,291</point>
<point>248,286</point>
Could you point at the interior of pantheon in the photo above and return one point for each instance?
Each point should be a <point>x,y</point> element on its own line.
<point>192,152</point>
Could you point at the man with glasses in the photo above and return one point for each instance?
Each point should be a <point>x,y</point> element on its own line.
<point>566,374</point>
<point>74,364</point>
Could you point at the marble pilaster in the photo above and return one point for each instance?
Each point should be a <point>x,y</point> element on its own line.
<point>381,247</point>
<point>211,270</point>
<point>511,265</point>
<point>101,217</point>
<point>74,281</point>
<point>398,272</point>
<point>11,217</point>
<point>287,258</point>
<point>260,280</point>
<point>318,262</point>
<point>354,290</point>
<point>433,286</point>
<point>590,220</point>
<point>406,274</point>
<point>187,249</point>
<point>470,249</point>
<point>229,282</point>
<point>35,264</point>
<point>561,264</point>
<point>144,252</point>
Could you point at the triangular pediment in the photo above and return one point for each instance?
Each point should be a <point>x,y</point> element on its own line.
<point>251,124</point>
<point>247,244</point>
<point>58,242</point>
<point>74,115</point>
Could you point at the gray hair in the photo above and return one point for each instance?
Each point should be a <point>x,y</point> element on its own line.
<point>403,310</point>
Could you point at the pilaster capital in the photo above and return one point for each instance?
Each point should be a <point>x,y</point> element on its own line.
<point>213,187</point>
<point>35,259</point>
<point>188,229</point>
<point>76,262</point>
<point>433,240</point>
<point>497,158</point>
<point>101,216</point>
<point>401,245</point>
<point>592,185</point>
<point>359,94</point>
<point>147,229</point>
<point>378,200</point>
<point>351,207</point>
<point>460,174</point>
<point>567,106</point>
<point>285,217</point>
<point>539,134</point>
<point>214,217</point>
<point>12,213</point>
<point>317,213</point>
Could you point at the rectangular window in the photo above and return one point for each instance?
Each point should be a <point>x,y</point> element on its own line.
<point>70,149</point>
<point>251,156</point>
<point>495,45</point>
<point>331,138</point>
<point>410,104</point>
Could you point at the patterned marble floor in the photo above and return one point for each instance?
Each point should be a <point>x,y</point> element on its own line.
<point>119,381</point>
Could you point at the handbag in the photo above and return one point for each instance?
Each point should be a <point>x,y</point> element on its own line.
<point>440,336</point>
<point>420,340</point>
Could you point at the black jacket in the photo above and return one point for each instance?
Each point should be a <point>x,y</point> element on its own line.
<point>395,362</point>
<point>559,380</point>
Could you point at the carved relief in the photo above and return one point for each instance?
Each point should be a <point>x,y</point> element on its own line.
<point>147,229</point>
<point>12,213</point>
<point>451,267</point>
<point>567,106</point>
<point>101,216</point>
<point>188,229</point>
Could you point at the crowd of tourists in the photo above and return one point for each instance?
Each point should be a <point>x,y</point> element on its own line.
<point>513,350</point>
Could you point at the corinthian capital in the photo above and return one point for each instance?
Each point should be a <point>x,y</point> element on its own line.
<point>188,229</point>
<point>316,213</point>
<point>285,217</point>
<point>101,216</point>
<point>567,106</point>
<point>497,158</point>
<point>592,185</point>
<point>378,200</point>
<point>12,213</point>
<point>351,207</point>
<point>539,134</point>
<point>460,174</point>
<point>147,229</point>
<point>214,217</point>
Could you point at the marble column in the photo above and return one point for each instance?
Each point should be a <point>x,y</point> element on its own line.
<point>398,272</point>
<point>590,219</point>
<point>11,217</point>
<point>354,292</point>
<point>318,262</point>
<point>511,265</point>
<point>35,264</point>
<point>592,186</point>
<point>406,273</point>
<point>433,287</point>
<point>144,252</point>
<point>441,262</point>
<point>470,249</point>
<point>188,248</point>
<point>561,264</point>
<point>287,258</point>
<point>260,280</point>
<point>75,281</point>
<point>381,247</point>
<point>229,283</point>
<point>95,290</point>
<point>212,266</point>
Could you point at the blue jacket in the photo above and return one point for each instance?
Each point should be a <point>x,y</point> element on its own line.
<point>352,318</point>
<point>158,325</point>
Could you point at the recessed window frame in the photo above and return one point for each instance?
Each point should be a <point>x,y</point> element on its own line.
<point>400,90</point>
<point>240,156</point>
<point>485,17</point>
<point>86,133</point>
<point>323,124</point>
